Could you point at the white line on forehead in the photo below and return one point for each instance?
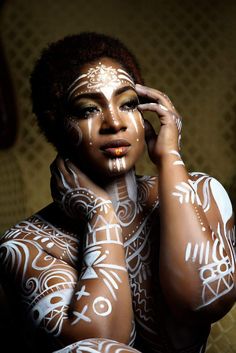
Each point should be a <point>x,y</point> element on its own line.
<point>102,78</point>
<point>76,87</point>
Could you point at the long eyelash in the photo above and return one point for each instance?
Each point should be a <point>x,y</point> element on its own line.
<point>132,104</point>
<point>83,112</point>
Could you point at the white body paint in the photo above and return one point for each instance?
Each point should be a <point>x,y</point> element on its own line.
<point>102,306</point>
<point>217,268</point>
<point>179,160</point>
<point>94,345</point>
<point>186,193</point>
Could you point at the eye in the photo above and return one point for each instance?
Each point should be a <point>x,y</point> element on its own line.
<point>84,112</point>
<point>130,105</point>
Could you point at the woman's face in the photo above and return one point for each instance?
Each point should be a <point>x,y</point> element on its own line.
<point>104,127</point>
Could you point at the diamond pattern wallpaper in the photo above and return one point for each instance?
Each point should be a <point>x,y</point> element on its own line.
<point>186,49</point>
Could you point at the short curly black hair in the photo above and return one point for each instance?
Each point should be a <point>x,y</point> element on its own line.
<point>59,65</point>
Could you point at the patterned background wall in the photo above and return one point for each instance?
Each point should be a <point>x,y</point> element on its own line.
<point>186,48</point>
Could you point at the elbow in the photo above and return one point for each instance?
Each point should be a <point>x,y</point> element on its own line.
<point>212,309</point>
<point>216,309</point>
<point>209,309</point>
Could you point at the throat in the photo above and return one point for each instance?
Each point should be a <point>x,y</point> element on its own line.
<point>122,189</point>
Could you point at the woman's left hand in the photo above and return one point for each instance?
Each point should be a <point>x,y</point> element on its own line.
<point>169,135</point>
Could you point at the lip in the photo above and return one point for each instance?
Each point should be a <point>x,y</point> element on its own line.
<point>116,148</point>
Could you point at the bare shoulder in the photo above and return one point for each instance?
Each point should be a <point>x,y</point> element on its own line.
<point>212,193</point>
<point>216,204</point>
<point>41,231</point>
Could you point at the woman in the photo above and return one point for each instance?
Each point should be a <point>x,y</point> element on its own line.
<point>117,260</point>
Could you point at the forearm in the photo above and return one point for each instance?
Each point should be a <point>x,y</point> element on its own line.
<point>102,298</point>
<point>190,249</point>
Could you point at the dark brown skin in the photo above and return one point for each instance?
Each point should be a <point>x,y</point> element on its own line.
<point>116,247</point>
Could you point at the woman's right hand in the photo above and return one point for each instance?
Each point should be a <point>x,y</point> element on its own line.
<point>75,193</point>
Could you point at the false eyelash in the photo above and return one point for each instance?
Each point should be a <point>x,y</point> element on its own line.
<point>84,112</point>
<point>131,104</point>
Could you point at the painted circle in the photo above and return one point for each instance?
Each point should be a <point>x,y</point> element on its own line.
<point>102,306</point>
<point>207,274</point>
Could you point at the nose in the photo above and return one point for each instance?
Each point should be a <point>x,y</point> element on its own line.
<point>112,122</point>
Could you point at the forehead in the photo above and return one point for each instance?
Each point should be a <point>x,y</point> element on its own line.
<point>101,76</point>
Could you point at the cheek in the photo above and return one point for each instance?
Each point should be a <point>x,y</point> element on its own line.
<point>136,121</point>
<point>74,132</point>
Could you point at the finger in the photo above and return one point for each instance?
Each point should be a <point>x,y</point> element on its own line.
<point>61,164</point>
<point>153,94</point>
<point>166,116</point>
<point>73,170</point>
<point>55,191</point>
<point>154,107</point>
<point>61,174</point>
<point>59,182</point>
<point>150,135</point>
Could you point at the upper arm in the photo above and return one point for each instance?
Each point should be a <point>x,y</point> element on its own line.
<point>218,210</point>
<point>44,283</point>
<point>218,276</point>
<point>55,296</point>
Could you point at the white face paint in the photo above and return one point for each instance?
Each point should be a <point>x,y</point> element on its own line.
<point>103,100</point>
<point>117,164</point>
<point>102,78</point>
<point>90,122</point>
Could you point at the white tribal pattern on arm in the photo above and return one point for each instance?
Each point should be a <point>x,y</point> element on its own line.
<point>216,262</point>
<point>94,345</point>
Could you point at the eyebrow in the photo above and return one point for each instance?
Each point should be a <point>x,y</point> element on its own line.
<point>95,95</point>
<point>124,89</point>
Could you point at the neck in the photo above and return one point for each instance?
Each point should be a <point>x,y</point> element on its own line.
<point>122,188</point>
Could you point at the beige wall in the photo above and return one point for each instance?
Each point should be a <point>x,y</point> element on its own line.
<point>185,48</point>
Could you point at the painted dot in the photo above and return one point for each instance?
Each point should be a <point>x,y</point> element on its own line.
<point>102,306</point>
